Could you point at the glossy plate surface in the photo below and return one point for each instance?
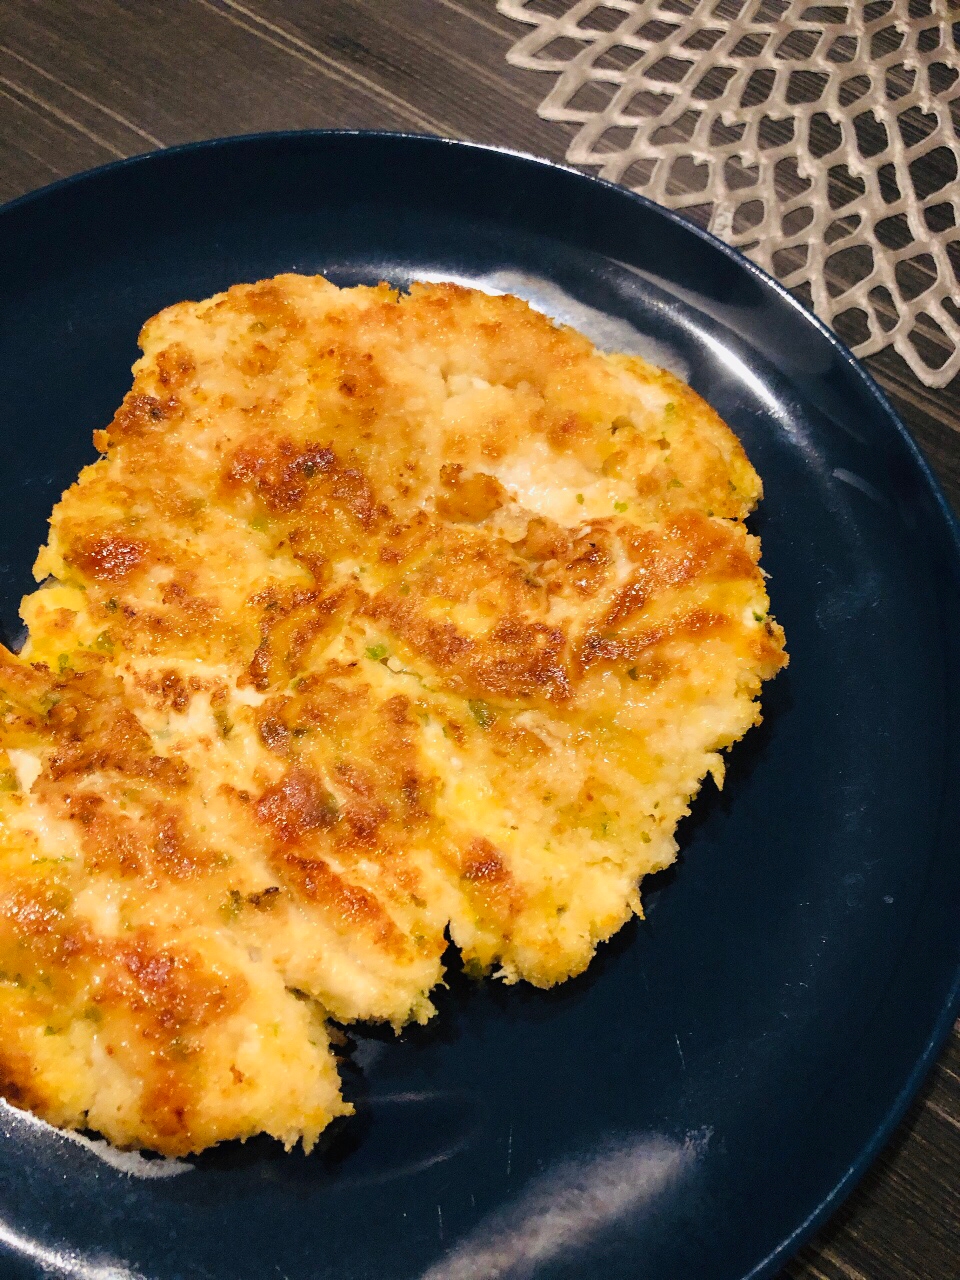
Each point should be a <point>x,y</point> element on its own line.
<point>692,1105</point>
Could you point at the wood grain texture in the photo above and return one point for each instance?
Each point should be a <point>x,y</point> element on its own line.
<point>83,82</point>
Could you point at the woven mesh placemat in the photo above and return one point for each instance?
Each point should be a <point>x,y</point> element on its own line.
<point>821,140</point>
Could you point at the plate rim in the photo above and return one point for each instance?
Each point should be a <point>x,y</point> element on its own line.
<point>767,1267</point>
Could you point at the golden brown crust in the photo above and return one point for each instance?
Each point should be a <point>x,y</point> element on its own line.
<point>384,617</point>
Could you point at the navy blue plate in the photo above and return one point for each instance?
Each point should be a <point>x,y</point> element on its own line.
<point>700,1099</point>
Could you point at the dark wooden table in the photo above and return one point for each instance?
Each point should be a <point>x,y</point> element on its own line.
<point>83,82</point>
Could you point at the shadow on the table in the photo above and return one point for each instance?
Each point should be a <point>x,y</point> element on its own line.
<point>902,1222</point>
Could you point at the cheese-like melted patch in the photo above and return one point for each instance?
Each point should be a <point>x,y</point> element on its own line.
<point>382,619</point>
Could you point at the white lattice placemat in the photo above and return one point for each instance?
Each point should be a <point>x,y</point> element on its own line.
<point>793,132</point>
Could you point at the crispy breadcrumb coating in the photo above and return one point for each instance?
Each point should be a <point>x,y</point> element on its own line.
<point>383,618</point>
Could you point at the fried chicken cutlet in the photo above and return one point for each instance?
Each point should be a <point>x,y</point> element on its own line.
<point>384,619</point>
